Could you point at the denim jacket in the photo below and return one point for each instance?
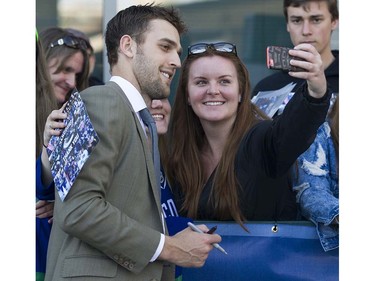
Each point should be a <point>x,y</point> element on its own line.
<point>317,185</point>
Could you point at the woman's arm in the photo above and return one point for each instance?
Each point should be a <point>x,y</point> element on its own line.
<point>53,127</point>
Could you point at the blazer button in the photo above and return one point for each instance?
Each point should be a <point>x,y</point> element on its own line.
<point>126,263</point>
<point>115,257</point>
<point>131,265</point>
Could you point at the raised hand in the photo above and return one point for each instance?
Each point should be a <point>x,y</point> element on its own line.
<point>54,121</point>
<point>312,62</point>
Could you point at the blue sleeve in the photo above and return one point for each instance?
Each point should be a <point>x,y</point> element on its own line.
<point>43,192</point>
<point>167,201</point>
<point>317,180</point>
<point>316,183</point>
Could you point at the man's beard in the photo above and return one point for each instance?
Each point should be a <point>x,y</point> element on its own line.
<point>149,79</point>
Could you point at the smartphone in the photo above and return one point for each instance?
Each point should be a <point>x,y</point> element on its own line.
<point>279,58</point>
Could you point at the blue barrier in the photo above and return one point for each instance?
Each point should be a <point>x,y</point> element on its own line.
<point>289,252</point>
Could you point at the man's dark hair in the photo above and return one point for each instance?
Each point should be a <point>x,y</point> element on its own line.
<point>134,21</point>
<point>332,6</point>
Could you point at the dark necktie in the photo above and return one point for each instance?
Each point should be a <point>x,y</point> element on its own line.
<point>150,123</point>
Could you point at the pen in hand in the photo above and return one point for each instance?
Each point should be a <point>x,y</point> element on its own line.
<point>212,230</point>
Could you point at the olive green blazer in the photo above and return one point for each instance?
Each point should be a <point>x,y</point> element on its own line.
<point>108,227</point>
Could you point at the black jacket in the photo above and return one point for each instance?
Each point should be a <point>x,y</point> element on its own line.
<point>264,157</point>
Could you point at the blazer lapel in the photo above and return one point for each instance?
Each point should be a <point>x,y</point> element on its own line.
<point>148,154</point>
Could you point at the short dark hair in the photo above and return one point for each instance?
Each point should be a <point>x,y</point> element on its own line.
<point>332,7</point>
<point>134,21</point>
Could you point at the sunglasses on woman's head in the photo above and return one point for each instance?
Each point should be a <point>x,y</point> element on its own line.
<point>200,48</point>
<point>70,42</point>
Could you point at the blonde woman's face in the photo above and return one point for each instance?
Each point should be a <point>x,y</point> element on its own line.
<point>65,80</point>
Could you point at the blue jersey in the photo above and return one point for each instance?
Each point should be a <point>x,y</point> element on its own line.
<point>167,203</point>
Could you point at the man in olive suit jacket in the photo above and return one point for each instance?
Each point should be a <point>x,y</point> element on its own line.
<point>110,224</point>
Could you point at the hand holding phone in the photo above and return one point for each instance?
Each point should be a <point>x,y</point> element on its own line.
<point>279,58</point>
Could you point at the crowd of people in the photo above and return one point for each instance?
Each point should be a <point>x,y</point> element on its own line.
<point>221,157</point>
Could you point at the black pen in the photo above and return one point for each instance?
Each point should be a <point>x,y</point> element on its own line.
<point>212,230</point>
<point>216,245</point>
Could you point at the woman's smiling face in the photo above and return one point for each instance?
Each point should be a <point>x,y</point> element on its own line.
<point>213,89</point>
<point>65,80</point>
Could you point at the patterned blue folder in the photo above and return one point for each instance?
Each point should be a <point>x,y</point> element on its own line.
<point>69,151</point>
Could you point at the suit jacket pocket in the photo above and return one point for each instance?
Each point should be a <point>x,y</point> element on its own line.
<point>83,265</point>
